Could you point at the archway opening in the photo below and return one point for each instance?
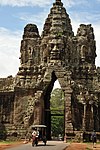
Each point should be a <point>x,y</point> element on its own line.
<point>56,113</point>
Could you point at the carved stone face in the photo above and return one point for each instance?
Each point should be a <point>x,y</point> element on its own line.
<point>83,32</point>
<point>55,46</point>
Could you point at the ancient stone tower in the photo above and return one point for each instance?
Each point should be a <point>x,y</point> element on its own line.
<point>56,54</point>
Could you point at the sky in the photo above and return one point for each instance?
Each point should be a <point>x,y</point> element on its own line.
<point>15,14</point>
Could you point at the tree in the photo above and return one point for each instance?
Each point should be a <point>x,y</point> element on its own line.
<point>57,112</point>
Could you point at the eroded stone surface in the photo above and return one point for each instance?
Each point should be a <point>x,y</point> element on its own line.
<point>56,54</point>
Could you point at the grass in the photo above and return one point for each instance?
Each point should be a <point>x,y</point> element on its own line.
<point>88,148</point>
<point>8,142</point>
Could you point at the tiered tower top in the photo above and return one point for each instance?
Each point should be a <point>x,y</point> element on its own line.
<point>58,21</point>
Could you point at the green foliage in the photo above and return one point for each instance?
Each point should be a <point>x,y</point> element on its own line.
<point>59,34</point>
<point>57,99</point>
<point>57,125</point>
<point>57,108</point>
<point>7,142</point>
<point>88,148</point>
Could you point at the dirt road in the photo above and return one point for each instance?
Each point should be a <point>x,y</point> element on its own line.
<point>51,145</point>
<point>82,146</point>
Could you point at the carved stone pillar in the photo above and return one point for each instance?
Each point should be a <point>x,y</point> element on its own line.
<point>92,119</point>
<point>68,113</point>
<point>38,115</point>
<point>38,108</point>
<point>84,117</point>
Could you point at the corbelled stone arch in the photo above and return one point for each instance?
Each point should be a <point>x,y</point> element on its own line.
<point>65,79</point>
<point>47,94</point>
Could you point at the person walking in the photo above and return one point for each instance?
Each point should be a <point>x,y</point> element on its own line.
<point>94,138</point>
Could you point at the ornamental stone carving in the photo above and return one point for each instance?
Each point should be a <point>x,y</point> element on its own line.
<point>56,54</point>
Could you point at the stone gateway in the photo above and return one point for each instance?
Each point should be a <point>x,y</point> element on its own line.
<point>56,54</point>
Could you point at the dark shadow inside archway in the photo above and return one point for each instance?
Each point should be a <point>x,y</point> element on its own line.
<point>50,114</point>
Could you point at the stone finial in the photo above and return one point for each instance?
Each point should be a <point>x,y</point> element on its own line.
<point>30,31</point>
<point>58,0</point>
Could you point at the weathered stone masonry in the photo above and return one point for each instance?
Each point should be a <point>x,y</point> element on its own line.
<point>56,54</point>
